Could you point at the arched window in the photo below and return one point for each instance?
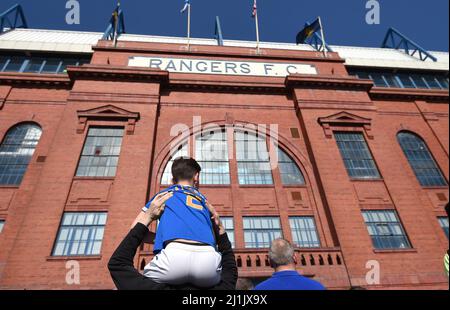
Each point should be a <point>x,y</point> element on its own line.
<point>421,160</point>
<point>16,151</point>
<point>289,171</point>
<point>252,158</point>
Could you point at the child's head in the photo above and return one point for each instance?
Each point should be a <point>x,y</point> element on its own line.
<point>186,170</point>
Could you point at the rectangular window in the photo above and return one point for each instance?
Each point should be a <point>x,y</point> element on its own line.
<point>101,152</point>
<point>211,152</point>
<point>229,228</point>
<point>14,64</point>
<point>304,232</point>
<point>444,224</point>
<point>3,61</point>
<point>2,223</point>
<point>259,232</point>
<point>378,80</point>
<point>443,81</point>
<point>406,81</point>
<point>80,234</point>
<point>391,80</point>
<point>432,82</point>
<point>356,155</point>
<point>386,230</point>
<point>252,159</point>
<point>51,66</point>
<point>34,65</point>
<point>419,81</point>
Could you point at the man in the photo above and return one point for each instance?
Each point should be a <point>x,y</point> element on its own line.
<point>283,259</point>
<point>185,246</point>
<point>126,277</point>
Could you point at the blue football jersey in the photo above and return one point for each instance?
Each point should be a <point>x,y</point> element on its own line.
<point>185,217</point>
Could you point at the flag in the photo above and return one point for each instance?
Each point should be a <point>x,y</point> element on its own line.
<point>255,9</point>
<point>187,3</point>
<point>308,31</point>
<point>115,14</point>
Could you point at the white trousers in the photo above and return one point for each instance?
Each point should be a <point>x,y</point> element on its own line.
<point>181,263</point>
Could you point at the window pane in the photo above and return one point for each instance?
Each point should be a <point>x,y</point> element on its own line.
<point>356,155</point>
<point>211,152</point>
<point>443,81</point>
<point>79,234</point>
<point>229,228</point>
<point>421,160</point>
<point>3,61</point>
<point>289,171</point>
<point>304,232</point>
<point>51,66</point>
<point>2,224</point>
<point>34,65</point>
<point>385,230</point>
<point>16,151</point>
<point>259,232</point>
<point>15,64</point>
<point>432,82</point>
<point>100,153</point>
<point>419,81</point>
<point>406,81</point>
<point>378,80</point>
<point>253,159</point>
<point>443,221</point>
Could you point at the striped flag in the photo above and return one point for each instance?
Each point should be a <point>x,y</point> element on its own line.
<point>255,9</point>
<point>187,3</point>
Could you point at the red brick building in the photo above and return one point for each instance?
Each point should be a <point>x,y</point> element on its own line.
<point>362,178</point>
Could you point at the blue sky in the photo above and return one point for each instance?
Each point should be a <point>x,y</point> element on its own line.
<point>425,21</point>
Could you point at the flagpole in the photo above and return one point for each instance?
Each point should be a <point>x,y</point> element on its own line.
<point>116,23</point>
<point>189,28</point>
<point>257,27</point>
<point>323,38</point>
<point>257,32</point>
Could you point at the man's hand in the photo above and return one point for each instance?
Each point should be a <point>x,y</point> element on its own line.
<point>216,218</point>
<point>155,211</point>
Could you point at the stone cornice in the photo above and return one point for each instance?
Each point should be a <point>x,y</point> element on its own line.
<point>35,80</point>
<point>327,82</point>
<point>117,73</point>
<point>409,94</point>
<point>216,51</point>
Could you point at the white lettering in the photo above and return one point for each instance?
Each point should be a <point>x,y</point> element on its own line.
<point>221,67</point>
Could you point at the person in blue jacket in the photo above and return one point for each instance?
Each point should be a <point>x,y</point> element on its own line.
<point>283,259</point>
<point>185,247</point>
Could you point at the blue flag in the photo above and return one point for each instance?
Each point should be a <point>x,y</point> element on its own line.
<point>308,31</point>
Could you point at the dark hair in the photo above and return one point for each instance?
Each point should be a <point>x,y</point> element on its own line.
<point>184,168</point>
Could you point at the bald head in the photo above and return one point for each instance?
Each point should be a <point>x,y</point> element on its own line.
<point>281,253</point>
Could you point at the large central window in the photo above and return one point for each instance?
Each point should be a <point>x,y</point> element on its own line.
<point>211,151</point>
<point>251,160</point>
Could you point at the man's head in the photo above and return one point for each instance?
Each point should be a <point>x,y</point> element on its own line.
<point>282,255</point>
<point>186,170</point>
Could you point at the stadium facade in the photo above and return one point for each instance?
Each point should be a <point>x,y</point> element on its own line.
<point>87,127</point>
